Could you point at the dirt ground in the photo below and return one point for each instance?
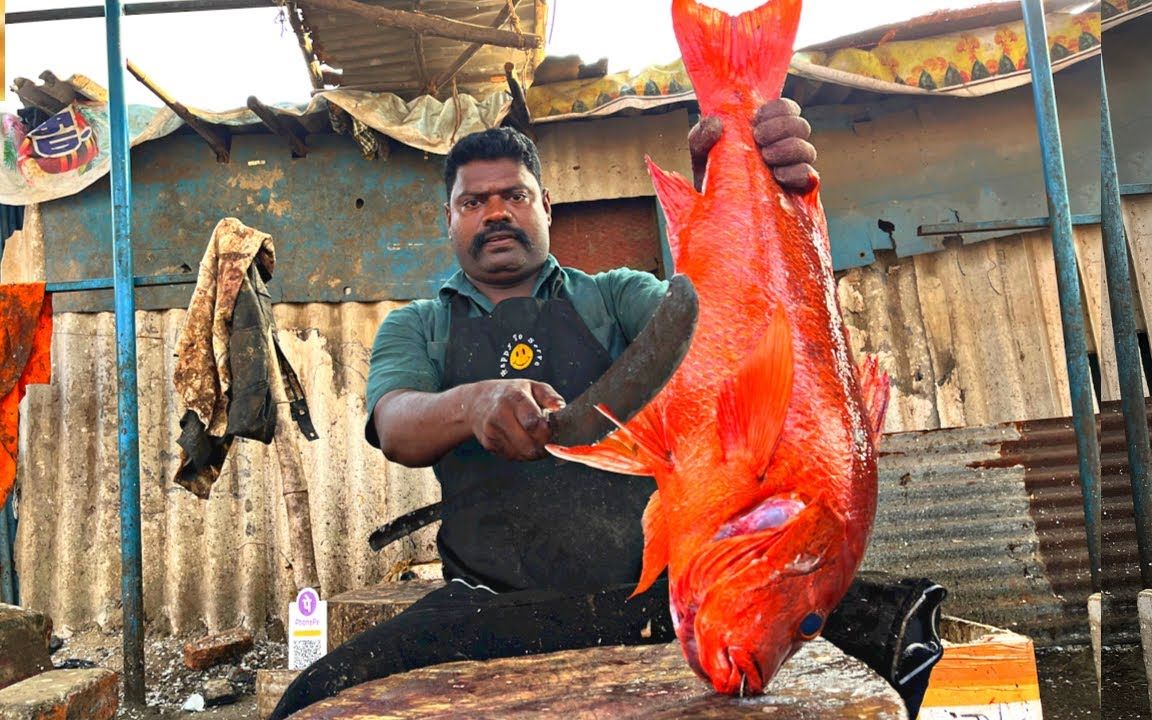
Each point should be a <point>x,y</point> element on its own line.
<point>167,681</point>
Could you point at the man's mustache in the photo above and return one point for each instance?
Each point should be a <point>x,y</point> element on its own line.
<point>498,228</point>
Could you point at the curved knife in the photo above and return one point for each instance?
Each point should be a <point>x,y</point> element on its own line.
<point>625,388</point>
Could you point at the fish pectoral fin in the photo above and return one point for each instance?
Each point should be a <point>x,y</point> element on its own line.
<point>655,544</point>
<point>754,402</point>
<point>789,536</point>
<point>766,515</point>
<point>677,197</point>
<point>875,388</point>
<point>638,448</point>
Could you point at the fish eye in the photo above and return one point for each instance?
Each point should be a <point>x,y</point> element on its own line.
<point>810,626</point>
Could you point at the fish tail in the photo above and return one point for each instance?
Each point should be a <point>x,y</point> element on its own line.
<point>735,60</point>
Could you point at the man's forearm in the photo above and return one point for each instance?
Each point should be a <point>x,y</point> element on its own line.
<point>417,428</point>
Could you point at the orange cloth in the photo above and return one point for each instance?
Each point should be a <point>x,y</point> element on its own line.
<point>25,358</point>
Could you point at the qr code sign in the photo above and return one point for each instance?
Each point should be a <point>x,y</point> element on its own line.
<point>303,652</point>
<point>307,630</point>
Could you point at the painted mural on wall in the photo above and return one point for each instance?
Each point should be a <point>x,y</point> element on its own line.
<point>976,62</point>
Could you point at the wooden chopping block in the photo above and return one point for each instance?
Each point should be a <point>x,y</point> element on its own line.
<point>651,681</point>
<point>355,611</point>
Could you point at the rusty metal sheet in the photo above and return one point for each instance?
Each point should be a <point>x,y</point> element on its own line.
<point>345,228</point>
<point>383,59</point>
<point>646,682</point>
<point>911,162</point>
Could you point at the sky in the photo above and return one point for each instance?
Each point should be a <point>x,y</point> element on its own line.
<point>215,60</point>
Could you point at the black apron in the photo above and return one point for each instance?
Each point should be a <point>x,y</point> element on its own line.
<point>547,524</point>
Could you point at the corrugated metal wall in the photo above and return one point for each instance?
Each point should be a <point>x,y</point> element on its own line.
<point>220,562</point>
<point>970,334</point>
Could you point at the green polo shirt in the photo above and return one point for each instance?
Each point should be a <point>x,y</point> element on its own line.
<point>411,343</point>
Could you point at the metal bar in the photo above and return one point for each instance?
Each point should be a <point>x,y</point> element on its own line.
<point>217,139</point>
<point>1067,278</point>
<point>1033,223</point>
<point>1123,307</point>
<point>131,572</point>
<point>108,283</point>
<point>9,591</point>
<point>144,8</point>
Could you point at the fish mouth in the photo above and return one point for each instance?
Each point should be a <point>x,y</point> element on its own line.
<point>739,673</point>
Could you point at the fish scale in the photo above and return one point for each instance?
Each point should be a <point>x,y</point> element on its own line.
<point>762,444</point>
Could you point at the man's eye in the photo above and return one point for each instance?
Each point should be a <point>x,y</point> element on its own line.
<point>470,204</point>
<point>519,196</point>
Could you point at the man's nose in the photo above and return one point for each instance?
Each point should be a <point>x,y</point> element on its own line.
<point>496,210</point>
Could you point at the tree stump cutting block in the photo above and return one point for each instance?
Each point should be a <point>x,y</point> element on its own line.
<point>651,681</point>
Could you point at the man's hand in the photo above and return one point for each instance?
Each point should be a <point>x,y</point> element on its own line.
<point>782,136</point>
<point>508,418</point>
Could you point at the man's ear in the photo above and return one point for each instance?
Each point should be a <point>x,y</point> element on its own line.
<point>448,214</point>
<point>547,202</point>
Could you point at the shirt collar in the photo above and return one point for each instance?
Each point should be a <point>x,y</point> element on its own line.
<point>548,285</point>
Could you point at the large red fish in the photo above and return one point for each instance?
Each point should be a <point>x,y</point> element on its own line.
<point>763,442</point>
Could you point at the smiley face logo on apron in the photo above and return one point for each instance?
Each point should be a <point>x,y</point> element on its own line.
<point>520,353</point>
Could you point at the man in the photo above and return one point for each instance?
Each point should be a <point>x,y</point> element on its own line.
<point>539,555</point>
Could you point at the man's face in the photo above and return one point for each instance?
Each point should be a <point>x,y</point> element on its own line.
<point>498,218</point>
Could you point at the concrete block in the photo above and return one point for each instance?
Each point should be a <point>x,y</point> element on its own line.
<point>270,686</point>
<point>1095,620</point>
<point>24,638</point>
<point>1144,611</point>
<point>214,649</point>
<point>90,694</point>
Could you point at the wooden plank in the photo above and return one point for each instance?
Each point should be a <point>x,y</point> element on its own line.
<point>450,72</point>
<point>218,139</point>
<point>428,24</point>
<point>651,681</point>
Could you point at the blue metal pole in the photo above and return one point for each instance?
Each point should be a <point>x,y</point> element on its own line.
<point>131,575</point>
<point>1067,278</point>
<point>1123,306</point>
<point>9,591</point>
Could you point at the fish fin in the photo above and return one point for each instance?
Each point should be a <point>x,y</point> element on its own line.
<point>729,57</point>
<point>770,513</point>
<point>655,544</point>
<point>801,544</point>
<point>875,388</point>
<point>677,198</point>
<point>754,402</point>
<point>640,448</point>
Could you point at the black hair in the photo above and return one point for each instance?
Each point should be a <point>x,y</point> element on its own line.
<point>491,144</point>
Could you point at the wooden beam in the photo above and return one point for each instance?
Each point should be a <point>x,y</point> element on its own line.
<point>445,77</point>
<point>269,118</point>
<point>429,24</point>
<point>218,140</point>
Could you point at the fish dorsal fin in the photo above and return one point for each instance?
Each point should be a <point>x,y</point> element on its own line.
<point>677,198</point>
<point>728,57</point>
<point>655,544</point>
<point>874,388</point>
<point>639,448</point>
<point>754,402</point>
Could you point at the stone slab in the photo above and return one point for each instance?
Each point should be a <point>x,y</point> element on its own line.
<point>87,694</point>
<point>24,639</point>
